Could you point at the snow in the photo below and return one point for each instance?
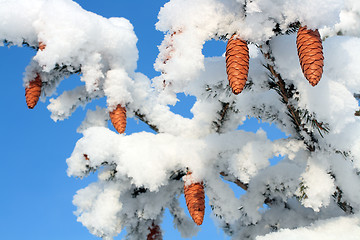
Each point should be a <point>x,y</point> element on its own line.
<point>320,188</point>
<point>332,229</point>
<point>136,171</point>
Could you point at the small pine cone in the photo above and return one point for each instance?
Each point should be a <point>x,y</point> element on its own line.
<point>118,118</point>
<point>42,46</point>
<point>155,233</point>
<point>195,201</point>
<point>33,91</point>
<point>237,63</point>
<point>309,46</point>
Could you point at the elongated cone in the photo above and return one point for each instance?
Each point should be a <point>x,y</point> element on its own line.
<point>237,63</point>
<point>33,91</point>
<point>309,46</point>
<point>195,200</point>
<point>118,118</point>
<point>155,233</point>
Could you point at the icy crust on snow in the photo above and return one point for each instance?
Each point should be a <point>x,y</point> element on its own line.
<point>331,229</point>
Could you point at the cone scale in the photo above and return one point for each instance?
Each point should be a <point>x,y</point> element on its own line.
<point>237,63</point>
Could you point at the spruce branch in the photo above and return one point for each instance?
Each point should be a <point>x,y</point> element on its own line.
<point>144,119</point>
<point>343,205</point>
<point>226,176</point>
<point>286,93</point>
<point>357,96</point>
<point>297,116</point>
<point>223,114</point>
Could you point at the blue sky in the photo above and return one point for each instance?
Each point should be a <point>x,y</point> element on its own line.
<point>36,194</point>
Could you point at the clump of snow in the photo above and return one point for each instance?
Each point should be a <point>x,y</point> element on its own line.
<point>318,185</point>
<point>98,206</point>
<point>97,118</point>
<point>332,229</point>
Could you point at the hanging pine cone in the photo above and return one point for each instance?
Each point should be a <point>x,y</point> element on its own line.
<point>42,46</point>
<point>309,46</point>
<point>33,91</point>
<point>118,118</point>
<point>155,233</point>
<point>195,200</point>
<point>237,63</point>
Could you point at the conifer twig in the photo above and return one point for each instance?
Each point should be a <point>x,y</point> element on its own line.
<point>244,186</point>
<point>286,95</point>
<point>143,118</point>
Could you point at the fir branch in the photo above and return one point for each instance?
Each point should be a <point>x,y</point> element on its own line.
<point>223,112</point>
<point>226,176</point>
<point>343,205</point>
<point>357,96</point>
<point>290,29</point>
<point>287,93</point>
<point>143,118</point>
<point>297,115</point>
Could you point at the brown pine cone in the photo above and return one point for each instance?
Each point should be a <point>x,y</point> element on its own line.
<point>33,91</point>
<point>155,233</point>
<point>42,46</point>
<point>237,63</point>
<point>118,118</point>
<point>309,46</point>
<point>195,201</point>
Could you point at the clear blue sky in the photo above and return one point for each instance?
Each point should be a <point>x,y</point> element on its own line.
<point>36,194</point>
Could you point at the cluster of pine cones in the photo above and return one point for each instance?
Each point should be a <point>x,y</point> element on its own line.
<point>33,92</point>
<point>309,46</point>
<point>311,59</point>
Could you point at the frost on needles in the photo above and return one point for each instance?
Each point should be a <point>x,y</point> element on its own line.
<point>312,193</point>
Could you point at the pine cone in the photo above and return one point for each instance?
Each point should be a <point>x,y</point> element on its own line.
<point>33,91</point>
<point>155,233</point>
<point>42,46</point>
<point>309,46</point>
<point>237,63</point>
<point>118,118</point>
<point>195,201</point>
